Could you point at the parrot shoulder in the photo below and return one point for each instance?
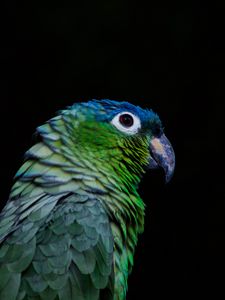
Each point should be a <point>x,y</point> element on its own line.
<point>67,252</point>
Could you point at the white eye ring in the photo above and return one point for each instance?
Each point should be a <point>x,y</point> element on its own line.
<point>130,125</point>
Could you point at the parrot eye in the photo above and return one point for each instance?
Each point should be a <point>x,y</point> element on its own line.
<point>127,122</point>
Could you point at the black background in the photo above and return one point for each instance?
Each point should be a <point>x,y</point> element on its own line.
<point>168,57</point>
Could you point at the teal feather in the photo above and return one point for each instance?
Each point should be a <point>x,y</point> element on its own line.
<point>85,260</point>
<point>5,276</point>
<point>10,290</point>
<point>50,294</point>
<point>21,263</point>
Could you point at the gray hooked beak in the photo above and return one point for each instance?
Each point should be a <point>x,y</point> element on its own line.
<point>162,155</point>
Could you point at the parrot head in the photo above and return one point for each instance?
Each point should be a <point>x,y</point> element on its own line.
<point>122,136</point>
<point>126,133</point>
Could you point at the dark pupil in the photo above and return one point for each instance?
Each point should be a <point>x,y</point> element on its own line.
<point>126,120</point>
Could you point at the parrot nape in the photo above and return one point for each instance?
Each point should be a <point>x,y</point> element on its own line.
<point>70,226</point>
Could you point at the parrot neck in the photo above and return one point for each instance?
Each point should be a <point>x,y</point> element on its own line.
<point>58,170</point>
<point>125,209</point>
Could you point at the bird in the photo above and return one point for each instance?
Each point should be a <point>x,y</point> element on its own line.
<point>71,223</point>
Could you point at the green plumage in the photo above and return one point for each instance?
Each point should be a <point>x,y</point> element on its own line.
<point>70,226</point>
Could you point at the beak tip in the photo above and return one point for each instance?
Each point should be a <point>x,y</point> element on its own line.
<point>169,168</point>
<point>168,177</point>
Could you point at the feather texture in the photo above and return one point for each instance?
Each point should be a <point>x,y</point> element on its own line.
<point>70,226</point>
<point>63,257</point>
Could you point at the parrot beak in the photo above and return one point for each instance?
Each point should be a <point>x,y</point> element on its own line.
<point>162,155</point>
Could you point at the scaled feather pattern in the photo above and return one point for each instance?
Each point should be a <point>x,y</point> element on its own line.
<point>70,226</point>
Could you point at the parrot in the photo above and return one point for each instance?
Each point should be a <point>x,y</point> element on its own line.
<point>71,223</point>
